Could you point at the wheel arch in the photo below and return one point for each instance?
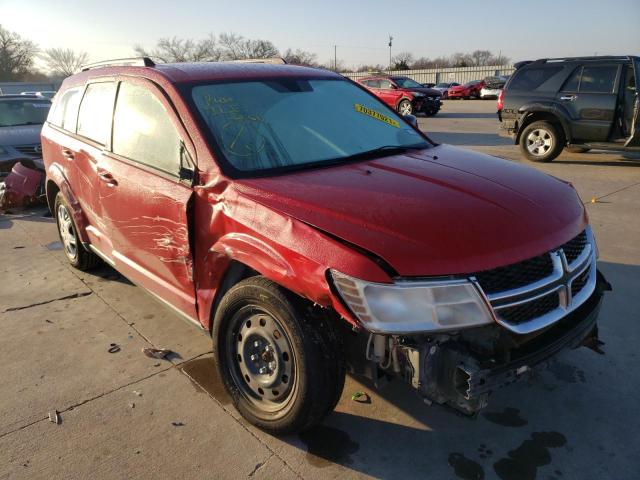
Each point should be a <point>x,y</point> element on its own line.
<point>550,113</point>
<point>57,183</point>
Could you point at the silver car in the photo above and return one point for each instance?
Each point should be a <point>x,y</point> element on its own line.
<point>21,119</point>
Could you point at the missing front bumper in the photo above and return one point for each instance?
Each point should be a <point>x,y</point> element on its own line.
<point>448,373</point>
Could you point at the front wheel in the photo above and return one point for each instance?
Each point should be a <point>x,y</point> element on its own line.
<point>541,141</point>
<point>405,107</point>
<point>278,358</point>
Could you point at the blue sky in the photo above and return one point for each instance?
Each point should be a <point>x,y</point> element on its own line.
<point>521,29</point>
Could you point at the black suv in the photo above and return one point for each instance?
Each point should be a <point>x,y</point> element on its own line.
<point>573,103</point>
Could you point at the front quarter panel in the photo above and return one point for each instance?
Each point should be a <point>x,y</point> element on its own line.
<point>233,227</point>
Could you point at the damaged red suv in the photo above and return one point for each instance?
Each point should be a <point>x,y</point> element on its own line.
<point>311,230</point>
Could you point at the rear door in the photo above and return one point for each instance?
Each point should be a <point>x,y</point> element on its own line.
<point>590,97</point>
<point>143,202</point>
<point>94,126</point>
<point>632,97</point>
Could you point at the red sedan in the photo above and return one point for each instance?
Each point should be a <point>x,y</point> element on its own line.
<point>468,90</point>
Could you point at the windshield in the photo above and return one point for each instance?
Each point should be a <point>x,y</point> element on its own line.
<point>403,82</point>
<point>292,123</point>
<point>471,84</point>
<point>23,111</point>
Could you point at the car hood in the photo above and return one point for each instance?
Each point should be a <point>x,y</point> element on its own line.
<point>20,135</point>
<point>438,211</point>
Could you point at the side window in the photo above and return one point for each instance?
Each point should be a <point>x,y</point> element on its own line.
<point>96,110</point>
<point>385,84</point>
<point>64,113</point>
<point>598,78</point>
<point>143,131</point>
<point>573,82</point>
<point>532,78</point>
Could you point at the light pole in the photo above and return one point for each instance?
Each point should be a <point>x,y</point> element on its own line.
<point>390,44</point>
<point>335,58</point>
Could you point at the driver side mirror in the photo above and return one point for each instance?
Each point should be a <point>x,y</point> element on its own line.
<point>412,119</point>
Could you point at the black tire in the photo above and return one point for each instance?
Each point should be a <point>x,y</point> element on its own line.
<point>577,149</point>
<point>313,355</point>
<point>79,257</point>
<point>541,141</point>
<point>405,105</point>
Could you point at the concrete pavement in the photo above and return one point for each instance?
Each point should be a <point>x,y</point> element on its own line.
<point>127,416</point>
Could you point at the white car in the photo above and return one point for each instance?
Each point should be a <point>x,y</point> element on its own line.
<point>490,91</point>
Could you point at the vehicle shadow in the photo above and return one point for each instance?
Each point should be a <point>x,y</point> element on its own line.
<point>469,139</point>
<point>398,436</point>
<point>624,159</point>
<point>444,114</point>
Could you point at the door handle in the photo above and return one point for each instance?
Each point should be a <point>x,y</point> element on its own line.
<point>568,98</point>
<point>68,154</point>
<point>107,178</point>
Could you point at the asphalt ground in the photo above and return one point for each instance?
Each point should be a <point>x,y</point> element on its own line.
<point>123,415</point>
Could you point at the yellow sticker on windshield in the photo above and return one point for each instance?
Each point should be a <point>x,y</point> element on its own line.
<point>376,115</point>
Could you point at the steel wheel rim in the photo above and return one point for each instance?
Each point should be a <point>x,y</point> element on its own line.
<point>539,142</point>
<point>261,360</point>
<point>405,108</point>
<point>67,232</point>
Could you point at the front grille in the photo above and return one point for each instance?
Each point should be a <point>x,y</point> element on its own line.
<point>523,285</point>
<point>29,149</point>
<point>574,247</point>
<point>533,309</point>
<point>515,275</point>
<point>579,282</point>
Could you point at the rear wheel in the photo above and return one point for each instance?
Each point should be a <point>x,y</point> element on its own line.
<point>279,358</point>
<point>405,107</point>
<point>541,141</point>
<point>77,255</point>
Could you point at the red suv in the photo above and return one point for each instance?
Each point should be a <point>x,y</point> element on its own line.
<point>307,228</point>
<point>466,91</point>
<point>404,95</point>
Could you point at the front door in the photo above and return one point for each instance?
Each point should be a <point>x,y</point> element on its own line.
<point>143,201</point>
<point>389,94</point>
<point>632,105</point>
<point>590,97</point>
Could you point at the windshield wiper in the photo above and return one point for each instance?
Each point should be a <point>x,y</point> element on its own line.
<point>21,124</point>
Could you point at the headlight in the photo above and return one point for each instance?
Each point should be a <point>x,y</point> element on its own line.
<point>413,306</point>
<point>417,94</point>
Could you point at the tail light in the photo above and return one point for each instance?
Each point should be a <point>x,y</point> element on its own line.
<point>501,99</point>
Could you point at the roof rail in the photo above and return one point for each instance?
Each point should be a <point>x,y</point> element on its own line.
<point>120,62</point>
<point>272,60</point>
<point>584,59</point>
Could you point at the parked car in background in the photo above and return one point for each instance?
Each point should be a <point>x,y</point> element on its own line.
<point>444,87</point>
<point>428,84</point>
<point>573,103</point>
<point>44,93</point>
<point>21,120</point>
<point>467,91</point>
<point>404,95</point>
<point>307,227</point>
<point>492,87</point>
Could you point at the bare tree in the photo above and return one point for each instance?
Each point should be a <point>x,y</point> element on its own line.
<point>423,62</point>
<point>300,57</point>
<point>481,57</point>
<point>402,61</point>
<point>330,65</point>
<point>459,59</point>
<point>16,55</point>
<point>63,62</point>
<point>176,49</point>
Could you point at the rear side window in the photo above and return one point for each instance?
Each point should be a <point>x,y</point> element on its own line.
<point>598,78</point>
<point>143,131</point>
<point>64,114</point>
<point>592,79</point>
<point>385,84</point>
<point>96,110</point>
<point>532,78</point>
